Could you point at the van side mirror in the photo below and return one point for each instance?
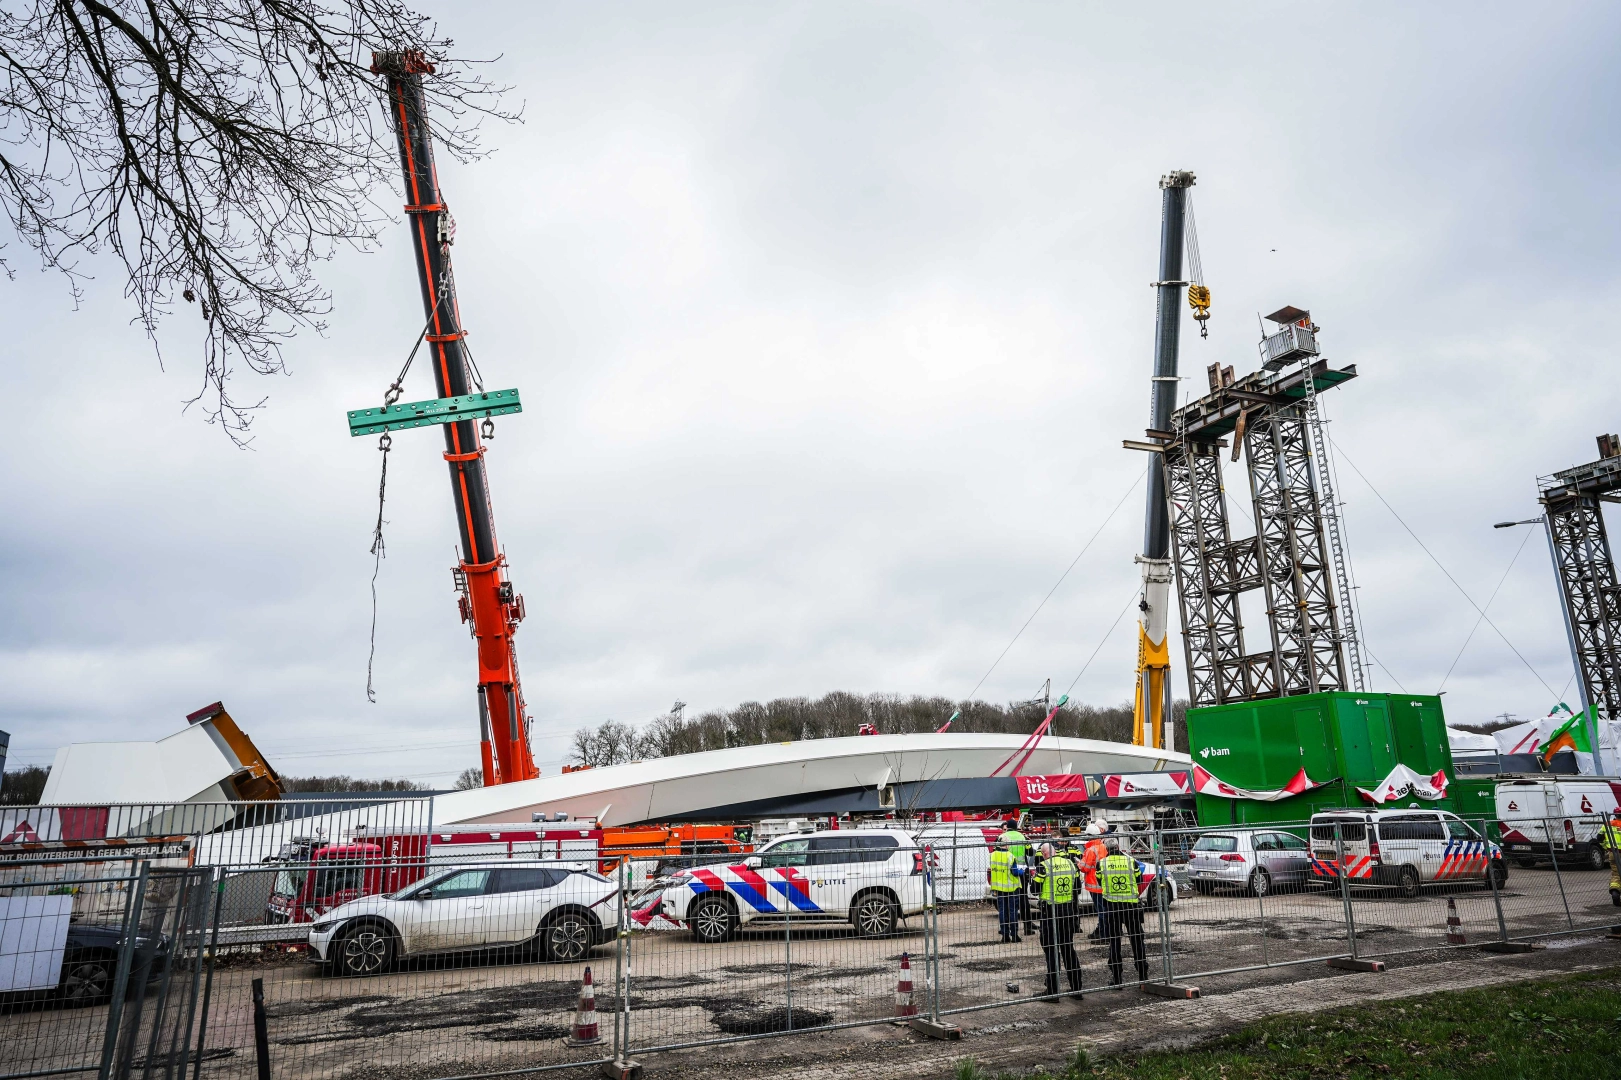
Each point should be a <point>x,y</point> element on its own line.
<point>753,862</point>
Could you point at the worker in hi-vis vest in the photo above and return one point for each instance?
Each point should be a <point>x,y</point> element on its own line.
<point>1091,855</point>
<point>1120,884</point>
<point>1055,880</point>
<point>1014,839</point>
<point>1005,890</point>
<point>1612,840</point>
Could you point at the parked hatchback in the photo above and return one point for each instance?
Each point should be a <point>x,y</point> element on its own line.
<point>1254,860</point>
<point>871,878</point>
<point>555,911</point>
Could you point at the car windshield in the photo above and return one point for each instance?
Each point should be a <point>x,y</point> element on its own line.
<point>1216,843</point>
<point>340,876</point>
<point>1348,829</point>
<point>287,884</point>
<point>420,882</point>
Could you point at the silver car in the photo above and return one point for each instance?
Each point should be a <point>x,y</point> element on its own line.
<point>1255,860</point>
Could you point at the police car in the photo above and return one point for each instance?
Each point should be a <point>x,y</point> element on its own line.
<point>1404,849</point>
<point>871,878</point>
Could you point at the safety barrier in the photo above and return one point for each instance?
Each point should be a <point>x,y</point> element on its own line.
<point>476,966</point>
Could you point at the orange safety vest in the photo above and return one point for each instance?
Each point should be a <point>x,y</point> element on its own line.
<point>1095,852</point>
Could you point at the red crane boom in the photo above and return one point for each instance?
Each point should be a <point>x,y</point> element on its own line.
<point>487,599</point>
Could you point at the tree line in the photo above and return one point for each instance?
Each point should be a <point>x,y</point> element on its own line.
<point>790,719</point>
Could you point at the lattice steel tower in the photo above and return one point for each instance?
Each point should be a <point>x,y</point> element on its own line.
<point>1296,558</point>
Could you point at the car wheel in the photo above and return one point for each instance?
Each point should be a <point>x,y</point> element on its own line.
<point>712,921</point>
<point>365,950</point>
<point>1260,882</point>
<point>875,916</point>
<point>567,938</point>
<point>1597,858</point>
<point>1407,882</point>
<point>1498,870</point>
<point>86,982</point>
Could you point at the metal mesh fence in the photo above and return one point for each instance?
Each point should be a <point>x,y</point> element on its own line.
<point>382,953</point>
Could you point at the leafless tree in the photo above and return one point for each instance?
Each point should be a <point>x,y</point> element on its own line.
<point>218,150</point>
<point>611,743</point>
<point>469,779</point>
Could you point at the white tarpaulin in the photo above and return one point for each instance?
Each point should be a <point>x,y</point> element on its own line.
<point>1470,742</point>
<point>1206,784</point>
<point>1403,782</point>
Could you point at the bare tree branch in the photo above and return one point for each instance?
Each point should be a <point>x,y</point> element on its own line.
<point>219,150</point>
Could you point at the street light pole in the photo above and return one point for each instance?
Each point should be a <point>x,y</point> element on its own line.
<point>1589,721</point>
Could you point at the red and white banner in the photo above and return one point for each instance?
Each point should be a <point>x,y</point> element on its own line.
<point>1206,784</point>
<point>1051,790</point>
<point>1403,782</point>
<point>1125,785</point>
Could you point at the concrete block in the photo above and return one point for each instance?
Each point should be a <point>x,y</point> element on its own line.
<point>923,1026</point>
<point>1346,963</point>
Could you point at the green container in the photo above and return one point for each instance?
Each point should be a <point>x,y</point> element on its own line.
<point>1350,740</point>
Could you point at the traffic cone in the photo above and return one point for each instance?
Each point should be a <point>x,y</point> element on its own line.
<point>584,1032</point>
<point>904,1005</point>
<point>1454,925</point>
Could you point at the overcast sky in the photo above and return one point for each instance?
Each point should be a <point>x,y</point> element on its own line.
<point>829,320</point>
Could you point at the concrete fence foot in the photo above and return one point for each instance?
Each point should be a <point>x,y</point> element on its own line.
<point>1347,963</point>
<point>1510,947</point>
<point>933,1029</point>
<point>622,1070</point>
<point>1170,990</point>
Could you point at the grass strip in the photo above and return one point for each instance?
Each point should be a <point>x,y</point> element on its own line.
<point>1569,1027</point>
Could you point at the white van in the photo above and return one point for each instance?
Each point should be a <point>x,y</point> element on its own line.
<point>1576,810</point>
<point>962,858</point>
<point>1404,849</point>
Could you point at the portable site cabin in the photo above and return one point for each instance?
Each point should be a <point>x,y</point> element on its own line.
<point>1252,755</point>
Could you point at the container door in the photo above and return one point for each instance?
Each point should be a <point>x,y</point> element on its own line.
<point>1381,742</point>
<point>1315,756</point>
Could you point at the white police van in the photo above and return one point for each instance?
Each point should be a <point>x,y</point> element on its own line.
<point>870,878</point>
<point>1401,849</point>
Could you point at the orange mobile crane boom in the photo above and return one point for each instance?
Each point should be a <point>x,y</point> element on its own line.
<point>487,600</point>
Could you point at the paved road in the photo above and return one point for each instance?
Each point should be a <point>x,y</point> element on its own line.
<point>473,1014</point>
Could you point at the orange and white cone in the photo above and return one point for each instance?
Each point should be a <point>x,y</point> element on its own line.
<point>904,1005</point>
<point>584,1032</point>
<point>1454,925</point>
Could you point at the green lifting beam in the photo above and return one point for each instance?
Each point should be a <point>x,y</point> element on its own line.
<point>447,410</point>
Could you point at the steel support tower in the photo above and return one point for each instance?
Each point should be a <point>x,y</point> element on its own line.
<point>1266,414</point>
<point>1572,507</point>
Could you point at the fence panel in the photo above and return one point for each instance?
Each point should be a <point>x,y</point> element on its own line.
<point>808,936</point>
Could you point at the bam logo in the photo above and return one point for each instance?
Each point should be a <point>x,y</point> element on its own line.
<point>1213,751</point>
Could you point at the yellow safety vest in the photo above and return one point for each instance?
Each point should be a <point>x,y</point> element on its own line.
<point>1014,839</point>
<point>1057,880</point>
<point>1002,879</point>
<point>1118,876</point>
<point>1612,836</point>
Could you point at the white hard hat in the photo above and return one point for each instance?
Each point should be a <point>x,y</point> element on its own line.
<point>1094,829</point>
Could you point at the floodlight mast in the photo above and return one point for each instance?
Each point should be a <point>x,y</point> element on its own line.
<point>487,599</point>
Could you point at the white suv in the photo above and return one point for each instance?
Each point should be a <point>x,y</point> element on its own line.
<point>1407,849</point>
<point>558,910</point>
<point>871,878</point>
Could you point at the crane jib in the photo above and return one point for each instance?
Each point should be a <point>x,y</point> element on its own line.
<point>487,601</point>
<point>413,414</point>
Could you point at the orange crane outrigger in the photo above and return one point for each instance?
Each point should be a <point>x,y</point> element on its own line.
<point>487,599</point>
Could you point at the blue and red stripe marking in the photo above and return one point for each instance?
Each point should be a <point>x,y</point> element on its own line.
<point>754,889</point>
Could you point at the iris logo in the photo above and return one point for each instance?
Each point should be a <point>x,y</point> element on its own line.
<point>1213,751</point>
